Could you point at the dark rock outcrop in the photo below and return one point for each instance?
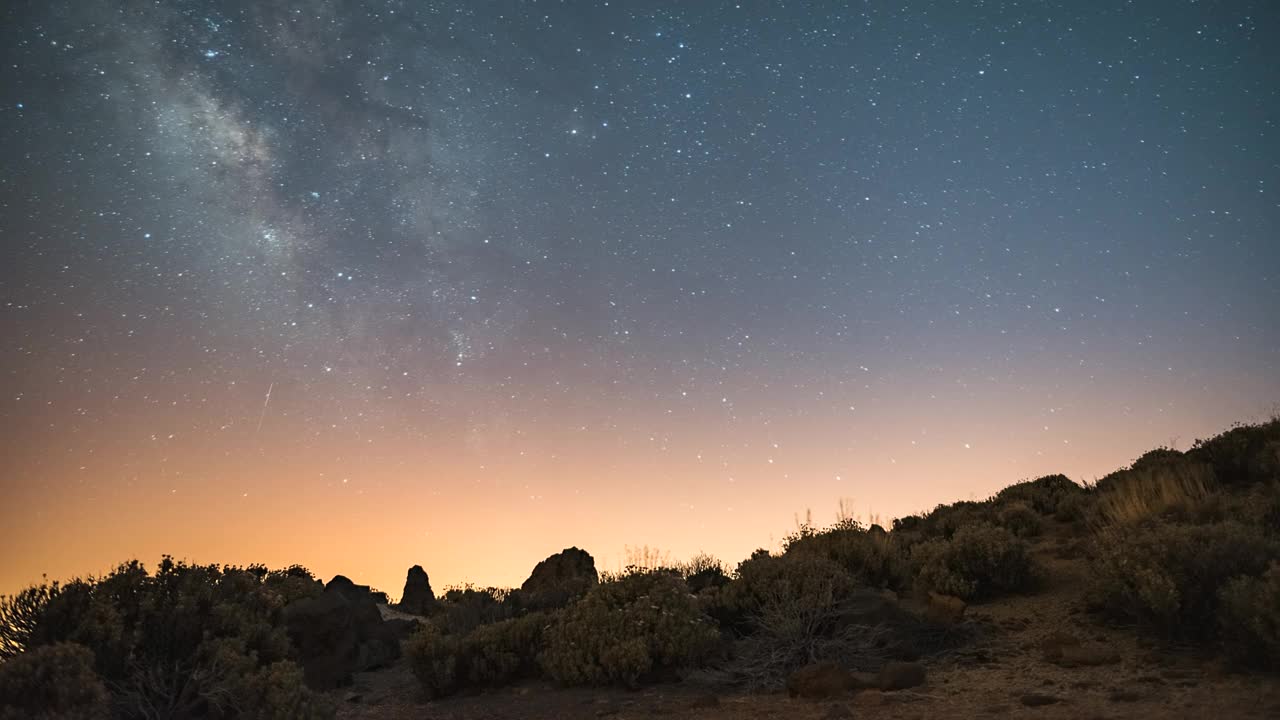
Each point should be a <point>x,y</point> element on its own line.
<point>559,579</point>
<point>418,598</point>
<point>339,632</point>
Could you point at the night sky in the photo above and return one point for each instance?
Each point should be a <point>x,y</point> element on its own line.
<point>360,285</point>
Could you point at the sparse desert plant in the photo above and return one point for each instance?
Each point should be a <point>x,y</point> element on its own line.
<point>978,563</point>
<point>52,682</point>
<point>794,610</point>
<point>1250,618</point>
<point>1169,576</point>
<point>1175,485</point>
<point>627,631</point>
<point>643,559</point>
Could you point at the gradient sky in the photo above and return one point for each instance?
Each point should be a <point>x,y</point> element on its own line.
<point>360,285</point>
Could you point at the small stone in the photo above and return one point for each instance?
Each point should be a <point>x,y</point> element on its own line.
<point>820,680</point>
<point>945,609</point>
<point>838,712</point>
<point>705,701</point>
<point>869,698</point>
<point>1038,700</point>
<point>901,675</point>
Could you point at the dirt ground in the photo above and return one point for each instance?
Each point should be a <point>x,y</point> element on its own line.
<point>1006,675</point>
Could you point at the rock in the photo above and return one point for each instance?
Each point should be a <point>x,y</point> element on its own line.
<point>1066,650</point>
<point>837,712</point>
<point>340,632</point>
<point>401,628</point>
<point>869,698</point>
<point>1124,696</point>
<point>820,680</point>
<point>322,632</point>
<point>900,676</point>
<point>418,599</point>
<point>945,609</point>
<point>703,702</point>
<point>558,579</point>
<point>1038,700</point>
<point>1089,655</point>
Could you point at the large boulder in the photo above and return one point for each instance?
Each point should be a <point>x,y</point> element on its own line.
<point>339,632</point>
<point>560,578</point>
<point>418,598</point>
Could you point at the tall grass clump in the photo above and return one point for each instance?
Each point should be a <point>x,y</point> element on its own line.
<point>1175,485</point>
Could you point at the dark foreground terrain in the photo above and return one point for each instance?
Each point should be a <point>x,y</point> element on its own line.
<point>1154,592</point>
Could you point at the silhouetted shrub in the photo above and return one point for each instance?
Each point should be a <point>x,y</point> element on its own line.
<point>871,558</point>
<point>704,572</point>
<point>190,638</point>
<point>1046,495</point>
<point>979,562</point>
<point>1250,618</point>
<point>1244,454</point>
<point>633,629</point>
<point>1169,576</point>
<point>52,682</point>
<point>944,521</point>
<point>464,609</point>
<point>277,692</point>
<point>433,656</point>
<point>1019,519</point>
<point>489,656</point>
<point>19,616</point>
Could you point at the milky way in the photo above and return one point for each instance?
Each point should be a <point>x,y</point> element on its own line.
<point>478,280</point>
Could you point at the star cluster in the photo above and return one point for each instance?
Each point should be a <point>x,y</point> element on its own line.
<point>367,284</point>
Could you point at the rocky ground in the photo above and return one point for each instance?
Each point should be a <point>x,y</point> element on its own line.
<point>1039,656</point>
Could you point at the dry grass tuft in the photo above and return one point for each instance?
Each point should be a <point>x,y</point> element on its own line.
<point>1151,491</point>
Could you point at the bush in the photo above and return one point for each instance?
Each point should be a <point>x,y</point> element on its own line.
<point>489,656</point>
<point>1243,455</point>
<point>944,521</point>
<point>1170,576</point>
<point>979,562</point>
<point>464,609</point>
<point>433,656</point>
<point>19,616</point>
<point>277,692</point>
<point>1049,495</point>
<point>704,572</point>
<point>191,638</point>
<point>52,682</point>
<point>627,631</point>
<point>1019,519</point>
<point>1250,618</point>
<point>870,558</point>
